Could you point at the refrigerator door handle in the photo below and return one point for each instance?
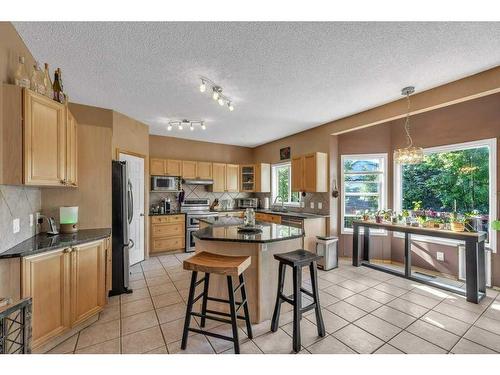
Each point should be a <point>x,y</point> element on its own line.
<point>131,244</point>
<point>130,202</point>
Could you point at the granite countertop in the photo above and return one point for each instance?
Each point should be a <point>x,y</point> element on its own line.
<point>43,242</point>
<point>226,229</point>
<point>302,215</point>
<point>173,212</point>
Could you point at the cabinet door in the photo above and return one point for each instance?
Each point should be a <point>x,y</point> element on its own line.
<point>167,230</point>
<point>310,168</point>
<point>204,169</point>
<point>157,167</point>
<point>109,264</point>
<point>46,279</point>
<point>232,177</point>
<point>174,167</point>
<point>189,169</point>
<point>248,178</point>
<point>219,176</point>
<point>87,280</point>
<point>71,150</point>
<point>263,178</point>
<point>44,140</point>
<point>297,173</point>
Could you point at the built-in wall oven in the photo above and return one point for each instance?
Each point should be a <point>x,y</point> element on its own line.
<point>195,208</point>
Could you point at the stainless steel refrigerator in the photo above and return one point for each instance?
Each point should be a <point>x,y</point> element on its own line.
<point>122,213</point>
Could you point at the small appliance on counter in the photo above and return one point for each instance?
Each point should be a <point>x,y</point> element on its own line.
<point>68,219</point>
<point>265,204</point>
<point>51,225</point>
<point>247,202</point>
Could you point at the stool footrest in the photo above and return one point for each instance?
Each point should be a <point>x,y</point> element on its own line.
<point>198,297</point>
<point>200,315</point>
<point>238,287</point>
<point>242,303</point>
<point>223,314</point>
<point>213,334</point>
<point>288,299</point>
<point>199,281</point>
<point>222,300</point>
<point>308,307</point>
<point>305,291</point>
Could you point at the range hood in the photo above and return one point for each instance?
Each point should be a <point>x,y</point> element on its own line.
<point>197,181</point>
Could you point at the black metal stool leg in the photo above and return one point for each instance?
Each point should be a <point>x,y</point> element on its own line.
<point>189,310</point>
<point>234,319</point>
<point>297,306</point>
<point>205,300</point>
<point>245,307</point>
<point>315,292</point>
<point>277,307</point>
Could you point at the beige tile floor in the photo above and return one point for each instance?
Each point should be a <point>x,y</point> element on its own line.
<point>365,311</point>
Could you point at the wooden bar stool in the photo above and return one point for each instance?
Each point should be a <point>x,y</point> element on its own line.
<point>229,266</point>
<point>298,259</point>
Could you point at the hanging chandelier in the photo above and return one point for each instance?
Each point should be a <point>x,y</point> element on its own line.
<point>410,154</point>
<point>216,93</point>
<point>181,124</point>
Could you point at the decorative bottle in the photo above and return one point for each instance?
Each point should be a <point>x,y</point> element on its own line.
<point>49,92</point>
<point>57,87</point>
<point>21,77</point>
<point>37,84</point>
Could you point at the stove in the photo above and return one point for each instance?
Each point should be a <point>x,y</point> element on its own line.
<point>194,208</point>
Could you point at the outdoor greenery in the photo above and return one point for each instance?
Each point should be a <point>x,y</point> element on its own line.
<point>284,181</point>
<point>448,177</point>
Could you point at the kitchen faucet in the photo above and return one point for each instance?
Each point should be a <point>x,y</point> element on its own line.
<point>282,202</point>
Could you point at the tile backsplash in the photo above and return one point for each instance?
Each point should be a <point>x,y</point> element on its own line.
<point>194,191</point>
<point>17,202</point>
<point>314,198</point>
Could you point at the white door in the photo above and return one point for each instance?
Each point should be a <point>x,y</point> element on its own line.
<point>135,169</point>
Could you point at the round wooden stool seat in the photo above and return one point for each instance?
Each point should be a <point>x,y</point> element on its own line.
<point>219,264</point>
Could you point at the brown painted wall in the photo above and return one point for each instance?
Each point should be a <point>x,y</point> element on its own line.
<point>184,149</point>
<point>469,121</point>
<point>11,47</point>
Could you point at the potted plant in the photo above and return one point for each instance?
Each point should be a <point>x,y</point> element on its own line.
<point>366,215</point>
<point>406,216</point>
<point>379,216</point>
<point>457,224</point>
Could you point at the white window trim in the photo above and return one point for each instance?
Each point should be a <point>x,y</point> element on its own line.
<point>492,144</point>
<point>383,202</point>
<point>273,180</point>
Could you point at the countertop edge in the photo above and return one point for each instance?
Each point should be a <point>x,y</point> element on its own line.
<point>292,237</point>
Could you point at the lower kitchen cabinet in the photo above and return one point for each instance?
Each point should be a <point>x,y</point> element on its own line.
<point>67,287</point>
<point>168,233</point>
<point>88,289</point>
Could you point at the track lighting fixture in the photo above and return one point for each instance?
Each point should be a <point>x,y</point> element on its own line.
<point>216,93</point>
<point>180,124</point>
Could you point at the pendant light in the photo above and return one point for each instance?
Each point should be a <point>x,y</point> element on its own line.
<point>410,154</point>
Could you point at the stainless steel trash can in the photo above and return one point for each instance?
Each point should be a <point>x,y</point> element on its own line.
<point>327,248</point>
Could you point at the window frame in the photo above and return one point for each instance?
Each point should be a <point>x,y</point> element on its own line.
<point>274,191</point>
<point>384,187</point>
<point>491,143</point>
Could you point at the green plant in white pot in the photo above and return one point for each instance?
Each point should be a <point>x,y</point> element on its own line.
<point>495,225</point>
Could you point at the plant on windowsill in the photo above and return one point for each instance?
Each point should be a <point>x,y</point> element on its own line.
<point>457,223</point>
<point>406,216</point>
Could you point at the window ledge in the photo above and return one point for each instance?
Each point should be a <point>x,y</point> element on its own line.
<point>372,232</point>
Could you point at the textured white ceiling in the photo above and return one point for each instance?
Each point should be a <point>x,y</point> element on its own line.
<point>284,77</point>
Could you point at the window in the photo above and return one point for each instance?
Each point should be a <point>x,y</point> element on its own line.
<point>282,185</point>
<point>460,176</point>
<point>364,182</point>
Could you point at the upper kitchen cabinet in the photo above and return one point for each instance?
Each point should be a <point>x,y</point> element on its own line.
<point>219,177</point>
<point>173,167</point>
<point>310,173</point>
<point>189,169</point>
<point>255,178</point>
<point>204,170</point>
<point>232,178</point>
<point>39,139</point>
<point>157,167</point>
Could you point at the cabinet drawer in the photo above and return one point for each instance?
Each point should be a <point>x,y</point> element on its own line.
<point>167,219</point>
<point>275,219</point>
<point>165,244</point>
<point>166,230</point>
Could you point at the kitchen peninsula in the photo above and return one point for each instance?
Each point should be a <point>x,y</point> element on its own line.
<point>220,235</point>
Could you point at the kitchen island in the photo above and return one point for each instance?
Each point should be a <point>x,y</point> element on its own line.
<point>220,235</point>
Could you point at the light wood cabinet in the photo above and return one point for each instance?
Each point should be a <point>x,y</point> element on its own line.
<point>44,140</point>
<point>189,169</point>
<point>67,286</point>
<point>46,279</point>
<point>157,167</point>
<point>109,265</point>
<point>39,138</point>
<point>297,173</point>
<point>204,170</point>
<point>87,280</point>
<point>247,178</point>
<point>174,167</point>
<point>167,233</point>
<point>262,178</point>
<point>71,150</point>
<point>232,178</point>
<point>310,173</point>
<point>219,177</point>
<point>270,218</point>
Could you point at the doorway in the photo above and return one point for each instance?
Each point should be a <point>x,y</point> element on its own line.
<point>135,171</point>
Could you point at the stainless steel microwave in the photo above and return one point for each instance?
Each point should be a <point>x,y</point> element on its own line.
<point>165,183</point>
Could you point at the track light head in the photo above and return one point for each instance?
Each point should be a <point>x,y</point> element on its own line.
<point>203,127</point>
<point>169,127</point>
<point>230,106</point>
<point>203,86</point>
